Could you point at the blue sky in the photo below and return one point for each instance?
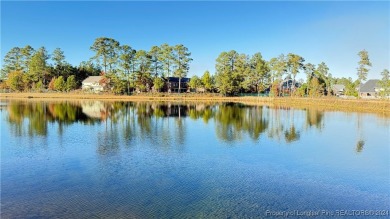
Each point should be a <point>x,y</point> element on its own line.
<point>333,32</point>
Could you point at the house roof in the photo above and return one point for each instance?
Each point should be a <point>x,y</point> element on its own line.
<point>93,79</point>
<point>289,83</point>
<point>369,86</point>
<point>338,87</point>
<point>176,79</point>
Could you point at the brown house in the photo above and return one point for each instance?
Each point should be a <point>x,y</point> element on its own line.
<point>172,85</point>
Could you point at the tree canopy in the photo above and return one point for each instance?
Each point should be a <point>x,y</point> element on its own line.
<point>26,68</point>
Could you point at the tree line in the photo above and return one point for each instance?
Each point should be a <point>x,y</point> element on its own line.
<point>130,70</point>
<point>241,73</point>
<point>127,69</point>
<point>29,69</point>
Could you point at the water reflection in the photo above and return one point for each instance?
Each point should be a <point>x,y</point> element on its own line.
<point>314,118</point>
<point>154,159</point>
<point>291,134</point>
<point>165,121</point>
<point>359,146</point>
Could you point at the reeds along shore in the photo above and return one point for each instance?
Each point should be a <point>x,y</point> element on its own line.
<point>325,103</point>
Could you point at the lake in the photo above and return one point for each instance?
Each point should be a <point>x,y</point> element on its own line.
<point>94,159</point>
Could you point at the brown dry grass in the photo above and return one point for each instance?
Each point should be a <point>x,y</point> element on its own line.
<point>325,103</point>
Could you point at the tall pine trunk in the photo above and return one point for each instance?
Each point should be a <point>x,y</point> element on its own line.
<point>179,84</point>
<point>128,82</point>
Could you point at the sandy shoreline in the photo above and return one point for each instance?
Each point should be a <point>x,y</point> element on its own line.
<point>326,103</point>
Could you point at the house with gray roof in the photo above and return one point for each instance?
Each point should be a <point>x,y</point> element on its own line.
<point>338,89</point>
<point>288,85</point>
<point>370,89</point>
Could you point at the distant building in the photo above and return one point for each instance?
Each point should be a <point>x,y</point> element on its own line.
<point>94,84</point>
<point>338,89</point>
<point>288,85</point>
<point>172,84</point>
<point>370,89</point>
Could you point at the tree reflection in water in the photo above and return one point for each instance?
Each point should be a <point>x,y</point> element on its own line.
<point>314,117</point>
<point>359,146</point>
<point>291,134</point>
<point>129,119</point>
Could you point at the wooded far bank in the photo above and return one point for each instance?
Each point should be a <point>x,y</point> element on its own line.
<point>125,70</point>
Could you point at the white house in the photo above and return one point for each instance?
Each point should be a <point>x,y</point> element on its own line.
<point>94,84</point>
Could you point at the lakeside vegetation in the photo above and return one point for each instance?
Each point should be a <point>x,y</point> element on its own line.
<point>127,70</point>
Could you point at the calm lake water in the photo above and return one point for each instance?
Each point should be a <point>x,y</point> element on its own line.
<point>92,159</point>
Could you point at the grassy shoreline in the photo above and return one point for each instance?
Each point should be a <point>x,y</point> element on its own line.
<point>325,103</point>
